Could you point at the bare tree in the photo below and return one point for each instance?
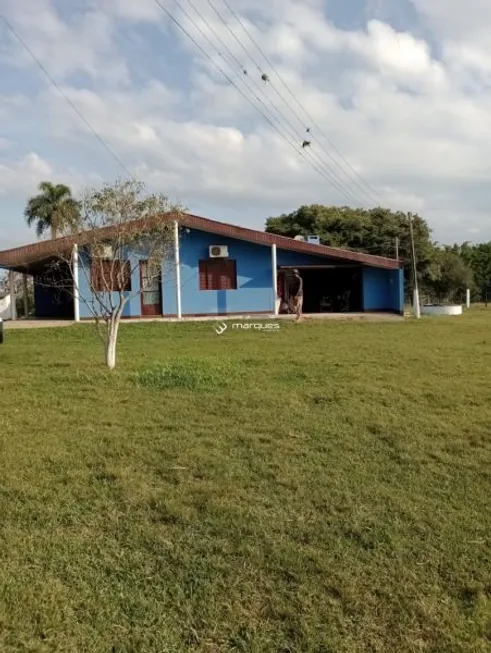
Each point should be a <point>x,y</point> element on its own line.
<point>119,226</point>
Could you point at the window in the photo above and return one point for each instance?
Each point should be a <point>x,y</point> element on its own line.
<point>109,275</point>
<point>218,274</point>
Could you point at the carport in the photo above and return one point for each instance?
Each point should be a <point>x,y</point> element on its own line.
<point>327,288</point>
<point>52,280</point>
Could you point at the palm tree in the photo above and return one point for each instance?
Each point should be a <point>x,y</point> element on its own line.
<point>54,208</point>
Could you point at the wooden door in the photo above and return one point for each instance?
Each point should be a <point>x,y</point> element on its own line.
<point>150,289</point>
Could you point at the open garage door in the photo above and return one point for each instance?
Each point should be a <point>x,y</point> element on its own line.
<point>327,289</point>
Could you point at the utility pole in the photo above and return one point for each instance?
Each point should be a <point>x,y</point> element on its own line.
<point>397,247</point>
<point>417,311</point>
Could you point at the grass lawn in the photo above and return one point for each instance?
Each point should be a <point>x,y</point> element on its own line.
<point>323,489</point>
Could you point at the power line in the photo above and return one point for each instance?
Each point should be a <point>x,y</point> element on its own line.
<point>245,79</point>
<point>372,191</point>
<point>231,54</point>
<point>299,135</point>
<point>324,173</point>
<point>272,66</point>
<point>230,81</point>
<point>65,96</point>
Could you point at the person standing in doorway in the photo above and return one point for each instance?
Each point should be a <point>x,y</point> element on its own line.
<point>297,294</point>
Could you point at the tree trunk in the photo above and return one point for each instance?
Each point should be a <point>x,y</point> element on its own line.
<point>112,340</point>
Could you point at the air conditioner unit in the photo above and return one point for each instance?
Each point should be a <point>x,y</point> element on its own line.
<point>218,251</point>
<point>314,240</point>
<point>103,251</point>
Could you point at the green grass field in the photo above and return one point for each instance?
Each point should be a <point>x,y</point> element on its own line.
<point>323,489</point>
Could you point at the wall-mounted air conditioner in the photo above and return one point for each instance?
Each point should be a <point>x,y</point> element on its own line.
<point>103,251</point>
<point>218,251</point>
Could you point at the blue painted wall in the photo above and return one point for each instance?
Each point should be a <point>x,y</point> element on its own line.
<point>397,286</point>
<point>88,304</point>
<point>383,290</point>
<point>254,278</point>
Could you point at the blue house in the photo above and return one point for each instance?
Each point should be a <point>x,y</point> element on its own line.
<point>217,269</point>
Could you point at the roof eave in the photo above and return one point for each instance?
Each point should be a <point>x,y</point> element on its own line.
<point>22,257</point>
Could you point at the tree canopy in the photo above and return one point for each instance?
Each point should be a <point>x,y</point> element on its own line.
<point>112,250</point>
<point>444,272</point>
<point>478,258</point>
<point>451,277</point>
<point>52,209</point>
<point>377,231</point>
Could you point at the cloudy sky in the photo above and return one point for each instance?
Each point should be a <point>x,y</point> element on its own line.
<point>401,89</point>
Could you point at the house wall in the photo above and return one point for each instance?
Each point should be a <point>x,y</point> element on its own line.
<point>397,288</point>
<point>89,304</point>
<point>383,290</point>
<point>254,292</point>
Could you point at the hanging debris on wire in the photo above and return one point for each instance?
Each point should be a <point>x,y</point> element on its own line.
<point>308,130</point>
<point>265,77</point>
<point>245,71</point>
<point>306,144</point>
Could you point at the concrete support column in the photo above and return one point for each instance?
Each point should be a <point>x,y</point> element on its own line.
<point>416,304</point>
<point>177,261</point>
<point>274,266</point>
<point>76,291</point>
<point>25,296</point>
<point>13,307</point>
<point>468,298</point>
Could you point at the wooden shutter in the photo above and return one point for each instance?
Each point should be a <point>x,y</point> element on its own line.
<point>110,276</point>
<point>218,274</point>
<point>203,275</point>
<point>227,275</point>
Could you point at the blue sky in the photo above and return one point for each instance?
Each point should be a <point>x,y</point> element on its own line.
<point>402,89</point>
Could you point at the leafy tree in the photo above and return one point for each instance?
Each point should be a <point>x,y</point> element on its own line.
<point>53,209</point>
<point>372,231</point>
<point>478,258</point>
<point>452,276</point>
<point>118,226</point>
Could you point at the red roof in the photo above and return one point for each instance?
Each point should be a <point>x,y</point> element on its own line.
<point>29,254</point>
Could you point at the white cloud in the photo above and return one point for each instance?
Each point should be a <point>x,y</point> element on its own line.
<point>454,19</point>
<point>85,45</point>
<point>22,176</point>
<point>9,104</point>
<point>132,10</point>
<point>463,32</point>
<point>403,116</point>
